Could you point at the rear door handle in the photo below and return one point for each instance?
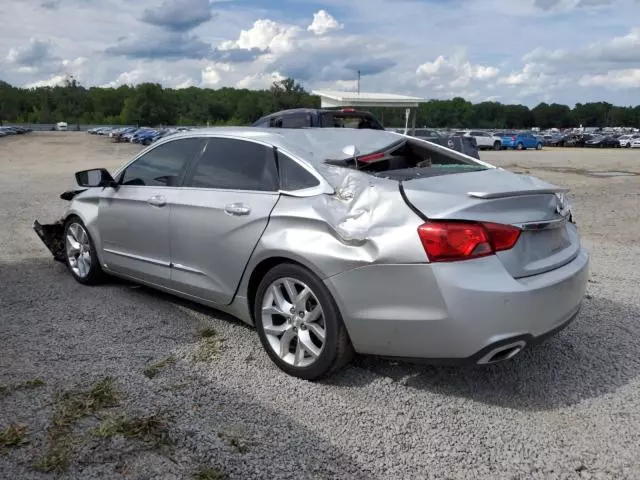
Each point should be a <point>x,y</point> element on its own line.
<point>237,209</point>
<point>157,201</point>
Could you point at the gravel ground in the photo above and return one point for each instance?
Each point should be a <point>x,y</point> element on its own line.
<point>567,409</point>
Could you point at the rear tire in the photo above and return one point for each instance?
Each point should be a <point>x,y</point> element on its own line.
<point>539,146</point>
<point>299,340</point>
<point>80,253</point>
<point>497,146</point>
<point>520,146</point>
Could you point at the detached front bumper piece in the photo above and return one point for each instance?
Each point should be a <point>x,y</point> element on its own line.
<point>52,236</point>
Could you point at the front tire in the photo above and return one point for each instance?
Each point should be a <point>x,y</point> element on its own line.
<point>80,253</point>
<point>539,146</point>
<point>497,146</point>
<point>299,323</point>
<point>520,146</point>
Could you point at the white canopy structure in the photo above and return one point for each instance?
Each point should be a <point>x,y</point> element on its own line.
<point>336,99</point>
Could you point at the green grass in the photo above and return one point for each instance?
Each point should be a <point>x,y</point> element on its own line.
<point>155,368</point>
<point>76,404</point>
<point>152,428</point>
<point>208,346</point>
<point>28,385</point>
<point>13,436</point>
<point>208,473</point>
<point>71,406</point>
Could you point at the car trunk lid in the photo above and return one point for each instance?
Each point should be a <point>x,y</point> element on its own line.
<point>548,240</point>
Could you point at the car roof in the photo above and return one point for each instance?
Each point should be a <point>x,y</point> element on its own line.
<point>313,144</point>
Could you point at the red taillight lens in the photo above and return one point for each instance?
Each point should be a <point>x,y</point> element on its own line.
<point>371,157</point>
<point>503,237</point>
<point>513,138</point>
<point>452,241</point>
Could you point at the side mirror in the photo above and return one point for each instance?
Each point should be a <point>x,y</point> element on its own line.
<point>351,151</point>
<point>96,177</point>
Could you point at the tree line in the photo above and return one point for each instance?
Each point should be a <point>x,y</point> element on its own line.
<point>151,104</point>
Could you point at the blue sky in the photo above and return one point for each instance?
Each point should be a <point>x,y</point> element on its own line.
<point>523,51</point>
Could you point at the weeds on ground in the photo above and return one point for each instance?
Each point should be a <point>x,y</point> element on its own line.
<point>153,428</point>
<point>208,346</point>
<point>236,440</point>
<point>208,473</point>
<point>154,369</point>
<point>28,385</point>
<point>71,406</point>
<point>13,436</point>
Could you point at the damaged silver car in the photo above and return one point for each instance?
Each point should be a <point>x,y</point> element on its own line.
<point>335,241</point>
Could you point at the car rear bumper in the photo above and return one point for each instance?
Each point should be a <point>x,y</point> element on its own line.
<point>462,312</point>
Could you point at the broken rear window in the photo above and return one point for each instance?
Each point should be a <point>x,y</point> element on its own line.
<point>409,159</point>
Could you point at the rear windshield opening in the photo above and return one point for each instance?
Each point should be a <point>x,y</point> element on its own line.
<point>411,159</point>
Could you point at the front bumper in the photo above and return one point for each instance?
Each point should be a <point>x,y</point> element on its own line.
<point>52,236</point>
<point>455,312</point>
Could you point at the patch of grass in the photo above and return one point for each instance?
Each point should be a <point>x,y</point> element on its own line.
<point>176,386</point>
<point>208,333</point>
<point>13,436</point>
<point>208,346</point>
<point>152,428</point>
<point>28,385</point>
<point>75,404</point>
<point>208,473</point>
<point>57,456</point>
<point>153,369</point>
<point>236,440</point>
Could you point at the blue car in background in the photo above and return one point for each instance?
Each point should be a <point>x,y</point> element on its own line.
<point>521,141</point>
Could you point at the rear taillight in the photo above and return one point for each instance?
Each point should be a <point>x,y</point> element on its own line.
<point>513,139</point>
<point>453,241</point>
<point>371,157</point>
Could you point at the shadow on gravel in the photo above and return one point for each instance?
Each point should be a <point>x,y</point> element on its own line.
<point>594,356</point>
<point>69,334</point>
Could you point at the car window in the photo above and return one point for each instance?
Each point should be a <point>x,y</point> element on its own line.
<point>233,164</point>
<point>298,120</point>
<point>163,166</point>
<point>293,176</point>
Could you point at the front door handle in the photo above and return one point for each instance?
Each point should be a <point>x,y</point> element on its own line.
<point>157,201</point>
<point>237,209</point>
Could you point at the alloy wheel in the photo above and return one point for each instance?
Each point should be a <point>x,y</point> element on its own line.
<point>293,322</point>
<point>78,250</point>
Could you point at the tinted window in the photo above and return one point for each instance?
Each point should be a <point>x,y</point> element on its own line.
<point>344,120</point>
<point>236,165</point>
<point>295,121</point>
<point>293,176</point>
<point>162,166</point>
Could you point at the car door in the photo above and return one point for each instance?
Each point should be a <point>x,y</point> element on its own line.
<point>133,220</point>
<point>530,141</point>
<point>219,215</point>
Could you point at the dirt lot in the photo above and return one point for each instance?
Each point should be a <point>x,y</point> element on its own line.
<point>190,391</point>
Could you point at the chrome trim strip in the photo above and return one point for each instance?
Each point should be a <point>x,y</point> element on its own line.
<point>138,257</point>
<point>184,268</point>
<point>544,225</point>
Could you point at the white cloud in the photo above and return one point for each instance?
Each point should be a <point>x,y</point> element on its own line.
<point>265,34</point>
<point>211,75</point>
<point>323,23</point>
<point>259,80</point>
<point>456,72</point>
<point>56,80</point>
<point>629,78</point>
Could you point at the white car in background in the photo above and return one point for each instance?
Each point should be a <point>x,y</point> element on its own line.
<point>627,140</point>
<point>484,140</point>
<point>635,143</point>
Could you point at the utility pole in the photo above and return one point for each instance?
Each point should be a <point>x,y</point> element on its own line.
<point>358,82</point>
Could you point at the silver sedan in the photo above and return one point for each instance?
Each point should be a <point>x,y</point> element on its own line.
<point>335,241</point>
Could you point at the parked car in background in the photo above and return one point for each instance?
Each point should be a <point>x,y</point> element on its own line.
<point>627,140</point>
<point>635,143</point>
<point>521,141</point>
<point>461,262</point>
<point>459,143</point>
<point>61,126</point>
<point>602,141</point>
<point>484,140</point>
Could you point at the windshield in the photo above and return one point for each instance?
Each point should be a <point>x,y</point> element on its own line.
<point>353,120</point>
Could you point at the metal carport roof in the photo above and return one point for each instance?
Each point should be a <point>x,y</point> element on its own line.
<point>336,99</point>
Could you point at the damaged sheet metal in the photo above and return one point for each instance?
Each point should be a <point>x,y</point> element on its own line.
<point>52,236</point>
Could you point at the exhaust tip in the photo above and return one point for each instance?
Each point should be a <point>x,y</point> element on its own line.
<point>502,353</point>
